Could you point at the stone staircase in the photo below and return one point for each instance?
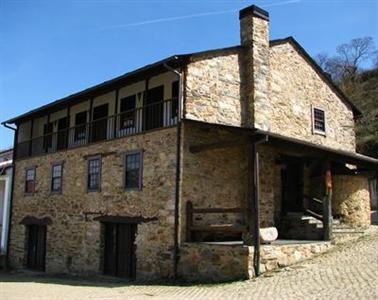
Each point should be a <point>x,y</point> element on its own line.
<point>300,227</point>
<point>303,227</point>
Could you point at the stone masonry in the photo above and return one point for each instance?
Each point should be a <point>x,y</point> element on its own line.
<point>74,244</point>
<point>351,200</point>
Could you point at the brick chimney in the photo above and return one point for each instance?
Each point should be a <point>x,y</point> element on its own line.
<point>254,36</point>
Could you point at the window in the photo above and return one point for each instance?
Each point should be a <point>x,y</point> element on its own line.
<point>133,170</point>
<point>94,174</point>
<point>56,178</point>
<point>30,181</point>
<point>318,120</point>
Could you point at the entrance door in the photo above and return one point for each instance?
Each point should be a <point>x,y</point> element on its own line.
<point>100,122</point>
<point>62,133</point>
<point>153,110</point>
<point>36,251</point>
<point>292,188</point>
<point>119,256</point>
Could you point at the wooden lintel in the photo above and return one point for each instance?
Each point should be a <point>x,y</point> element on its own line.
<point>217,145</point>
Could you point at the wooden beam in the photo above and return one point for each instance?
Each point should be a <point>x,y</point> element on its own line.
<point>217,145</point>
<point>115,113</point>
<point>31,137</point>
<point>253,200</point>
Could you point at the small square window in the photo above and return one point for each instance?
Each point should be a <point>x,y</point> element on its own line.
<point>318,116</point>
<point>94,174</point>
<point>30,180</point>
<point>56,178</point>
<point>133,170</point>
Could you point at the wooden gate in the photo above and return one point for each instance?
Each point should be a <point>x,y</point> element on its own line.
<point>36,252</point>
<point>119,254</point>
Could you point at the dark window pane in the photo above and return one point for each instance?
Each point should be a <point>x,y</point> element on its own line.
<point>94,174</point>
<point>132,171</point>
<point>56,181</point>
<point>29,181</point>
<point>319,120</point>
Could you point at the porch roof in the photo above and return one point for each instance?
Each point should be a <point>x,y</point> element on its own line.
<point>310,149</point>
<point>300,148</point>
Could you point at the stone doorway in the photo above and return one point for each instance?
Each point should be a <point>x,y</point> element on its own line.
<point>36,247</point>
<point>119,251</point>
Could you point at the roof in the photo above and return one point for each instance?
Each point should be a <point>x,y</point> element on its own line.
<point>157,67</point>
<point>303,147</point>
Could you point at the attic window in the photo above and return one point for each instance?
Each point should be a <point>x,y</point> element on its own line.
<point>318,120</point>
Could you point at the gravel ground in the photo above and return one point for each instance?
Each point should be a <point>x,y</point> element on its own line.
<point>349,271</point>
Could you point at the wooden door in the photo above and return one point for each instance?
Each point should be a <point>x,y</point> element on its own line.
<point>100,123</point>
<point>36,252</point>
<point>292,188</point>
<point>119,256</point>
<point>153,110</point>
<point>62,133</point>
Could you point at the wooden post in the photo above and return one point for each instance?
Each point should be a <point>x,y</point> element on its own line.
<point>253,203</point>
<point>68,125</point>
<point>189,220</point>
<point>31,137</point>
<point>89,129</point>
<point>115,113</point>
<point>327,202</point>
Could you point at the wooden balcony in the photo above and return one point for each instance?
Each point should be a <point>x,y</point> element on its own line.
<point>152,116</point>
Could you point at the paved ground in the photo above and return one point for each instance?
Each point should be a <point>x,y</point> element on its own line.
<point>349,272</point>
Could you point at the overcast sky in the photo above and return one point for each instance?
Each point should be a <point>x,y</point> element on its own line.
<point>50,49</point>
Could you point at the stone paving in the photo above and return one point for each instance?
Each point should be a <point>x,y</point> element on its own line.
<point>347,272</point>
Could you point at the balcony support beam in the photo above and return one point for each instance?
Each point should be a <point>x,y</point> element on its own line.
<point>89,129</point>
<point>68,126</point>
<point>115,113</point>
<point>31,137</point>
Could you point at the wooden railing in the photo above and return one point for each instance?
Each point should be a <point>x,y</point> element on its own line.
<point>230,228</point>
<point>148,117</point>
<point>313,207</point>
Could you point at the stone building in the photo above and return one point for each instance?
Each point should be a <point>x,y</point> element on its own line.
<point>5,195</point>
<point>146,175</point>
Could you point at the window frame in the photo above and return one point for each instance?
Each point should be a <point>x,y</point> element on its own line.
<point>90,158</point>
<point>315,130</point>
<point>52,178</point>
<point>34,180</point>
<point>140,177</point>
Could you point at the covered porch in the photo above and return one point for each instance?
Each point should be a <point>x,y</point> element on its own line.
<point>236,181</point>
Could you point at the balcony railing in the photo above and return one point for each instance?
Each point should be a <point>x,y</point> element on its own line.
<point>151,116</point>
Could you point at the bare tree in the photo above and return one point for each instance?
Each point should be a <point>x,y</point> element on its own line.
<point>355,52</point>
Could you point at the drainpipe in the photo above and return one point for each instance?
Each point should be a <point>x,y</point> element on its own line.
<point>178,169</point>
<point>11,192</point>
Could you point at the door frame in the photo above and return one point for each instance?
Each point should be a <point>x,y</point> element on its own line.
<point>133,227</point>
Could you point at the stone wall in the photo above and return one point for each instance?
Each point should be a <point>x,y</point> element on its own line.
<point>218,178</point>
<point>213,88</point>
<point>74,244</point>
<point>351,200</point>
<point>295,88</point>
<point>214,178</point>
<point>222,262</point>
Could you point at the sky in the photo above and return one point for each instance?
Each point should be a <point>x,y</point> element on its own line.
<point>52,48</point>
